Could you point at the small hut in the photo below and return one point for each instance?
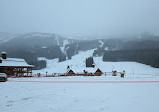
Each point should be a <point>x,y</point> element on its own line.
<point>70,73</point>
<point>98,72</point>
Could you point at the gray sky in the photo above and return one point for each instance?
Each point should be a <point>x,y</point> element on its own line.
<point>80,17</point>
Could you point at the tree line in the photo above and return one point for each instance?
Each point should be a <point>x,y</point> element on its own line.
<point>147,56</point>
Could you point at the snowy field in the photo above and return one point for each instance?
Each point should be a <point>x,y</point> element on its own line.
<point>44,95</point>
<point>137,92</point>
<point>77,64</point>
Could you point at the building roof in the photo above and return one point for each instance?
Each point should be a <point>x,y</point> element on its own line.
<point>98,70</point>
<point>70,71</point>
<point>78,70</point>
<point>16,62</point>
<point>3,52</point>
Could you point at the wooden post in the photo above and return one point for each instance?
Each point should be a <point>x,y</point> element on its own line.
<point>31,71</point>
<point>23,70</point>
<point>27,71</point>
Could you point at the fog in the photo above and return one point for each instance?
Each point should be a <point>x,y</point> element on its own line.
<point>80,17</point>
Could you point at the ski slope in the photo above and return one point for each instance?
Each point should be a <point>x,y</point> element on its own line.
<point>77,64</point>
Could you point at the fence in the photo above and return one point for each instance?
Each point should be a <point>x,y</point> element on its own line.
<point>82,74</point>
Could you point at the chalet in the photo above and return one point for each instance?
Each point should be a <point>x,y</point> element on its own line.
<point>14,66</point>
<point>88,71</point>
<point>70,73</point>
<point>98,72</point>
<point>92,72</point>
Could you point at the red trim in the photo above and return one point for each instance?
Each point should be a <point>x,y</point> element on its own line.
<point>88,81</point>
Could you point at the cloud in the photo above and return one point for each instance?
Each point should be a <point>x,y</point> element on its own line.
<point>76,17</point>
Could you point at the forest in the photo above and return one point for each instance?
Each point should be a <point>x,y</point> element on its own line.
<point>147,56</point>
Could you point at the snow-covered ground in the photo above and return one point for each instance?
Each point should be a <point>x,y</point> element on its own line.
<point>137,92</point>
<point>42,95</point>
<point>77,64</point>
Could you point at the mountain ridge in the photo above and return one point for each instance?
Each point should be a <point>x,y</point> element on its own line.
<point>30,46</point>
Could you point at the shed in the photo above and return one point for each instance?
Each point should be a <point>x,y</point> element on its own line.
<point>70,72</point>
<point>98,72</point>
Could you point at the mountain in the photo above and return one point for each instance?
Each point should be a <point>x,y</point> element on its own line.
<point>143,50</point>
<point>5,37</point>
<point>31,46</point>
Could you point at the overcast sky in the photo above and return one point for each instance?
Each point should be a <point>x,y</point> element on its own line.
<point>80,17</point>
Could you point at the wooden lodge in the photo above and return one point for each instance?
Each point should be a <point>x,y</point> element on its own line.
<point>14,66</point>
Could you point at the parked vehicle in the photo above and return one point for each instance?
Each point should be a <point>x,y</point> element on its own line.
<point>3,77</point>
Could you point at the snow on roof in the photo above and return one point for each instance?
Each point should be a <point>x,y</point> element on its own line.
<point>3,52</point>
<point>3,75</point>
<point>14,62</point>
<point>79,70</point>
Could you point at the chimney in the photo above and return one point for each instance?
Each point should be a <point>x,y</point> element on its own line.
<point>4,55</point>
<point>93,65</point>
<point>68,67</point>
